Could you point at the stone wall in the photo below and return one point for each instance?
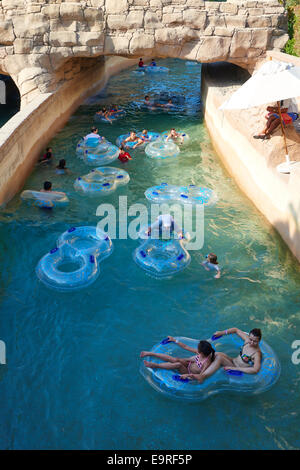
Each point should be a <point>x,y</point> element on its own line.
<point>42,42</point>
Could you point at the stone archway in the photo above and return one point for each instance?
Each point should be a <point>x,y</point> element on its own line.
<point>38,38</point>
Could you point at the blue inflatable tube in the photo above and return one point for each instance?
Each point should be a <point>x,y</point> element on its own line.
<point>184,194</point>
<point>87,240</point>
<point>162,258</point>
<point>95,152</point>
<point>44,199</point>
<point>101,181</point>
<point>75,262</point>
<point>169,383</point>
<point>82,269</point>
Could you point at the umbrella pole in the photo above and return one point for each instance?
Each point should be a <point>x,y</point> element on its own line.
<point>283,133</point>
<point>284,167</point>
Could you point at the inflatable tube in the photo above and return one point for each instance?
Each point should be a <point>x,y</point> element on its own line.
<point>156,69</point>
<point>66,269</point>
<point>87,240</point>
<point>185,194</point>
<point>162,258</point>
<point>74,263</point>
<point>114,117</point>
<point>97,153</point>
<point>101,181</point>
<point>168,382</point>
<point>139,71</point>
<point>161,149</point>
<point>183,134</point>
<point>47,199</point>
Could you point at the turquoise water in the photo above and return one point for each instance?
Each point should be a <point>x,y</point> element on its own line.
<point>72,374</point>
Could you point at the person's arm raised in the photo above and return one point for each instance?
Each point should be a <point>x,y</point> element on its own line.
<point>231,331</point>
<point>182,345</point>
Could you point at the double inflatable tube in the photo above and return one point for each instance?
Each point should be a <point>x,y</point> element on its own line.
<point>169,383</point>
<point>74,262</point>
<point>101,181</point>
<point>84,269</point>
<point>44,199</point>
<point>88,240</point>
<point>184,194</point>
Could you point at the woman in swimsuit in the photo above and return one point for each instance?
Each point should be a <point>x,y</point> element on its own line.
<point>192,367</point>
<point>249,358</point>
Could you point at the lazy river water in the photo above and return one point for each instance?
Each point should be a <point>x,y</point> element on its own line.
<point>72,376</point>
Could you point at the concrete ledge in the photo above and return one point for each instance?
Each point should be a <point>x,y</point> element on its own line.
<point>253,163</point>
<point>26,134</point>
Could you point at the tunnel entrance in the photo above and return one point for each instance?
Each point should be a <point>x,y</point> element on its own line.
<point>9,99</point>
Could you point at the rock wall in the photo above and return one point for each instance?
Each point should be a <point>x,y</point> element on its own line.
<point>43,42</point>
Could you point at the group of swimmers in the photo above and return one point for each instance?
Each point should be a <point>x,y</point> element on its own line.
<point>141,64</point>
<point>107,114</point>
<point>47,158</point>
<point>154,104</point>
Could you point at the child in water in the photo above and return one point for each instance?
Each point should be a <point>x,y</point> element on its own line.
<point>211,264</point>
<point>123,155</point>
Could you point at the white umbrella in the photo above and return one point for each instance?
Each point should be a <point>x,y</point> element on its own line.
<point>273,81</point>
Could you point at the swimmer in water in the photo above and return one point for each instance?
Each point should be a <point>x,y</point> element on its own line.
<point>145,137</point>
<point>123,155</point>
<point>165,223</point>
<point>194,366</point>
<point>132,138</point>
<point>94,135</point>
<point>105,113</point>
<point>61,168</point>
<point>47,188</point>
<point>47,157</point>
<point>211,264</point>
<point>174,135</point>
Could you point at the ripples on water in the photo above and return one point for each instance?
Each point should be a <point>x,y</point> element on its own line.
<point>71,379</point>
